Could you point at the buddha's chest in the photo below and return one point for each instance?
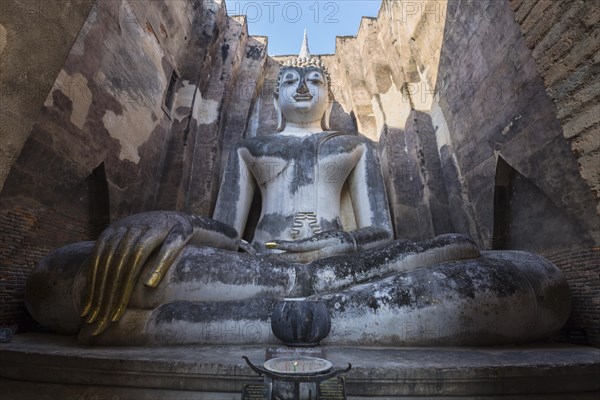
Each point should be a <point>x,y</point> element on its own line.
<point>298,163</point>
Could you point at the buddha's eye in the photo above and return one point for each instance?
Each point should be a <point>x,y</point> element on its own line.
<point>290,81</point>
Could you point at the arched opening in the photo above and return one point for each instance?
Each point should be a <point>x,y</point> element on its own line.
<point>525,218</point>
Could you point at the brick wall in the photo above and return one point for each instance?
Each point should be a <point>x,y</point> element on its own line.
<point>564,38</point>
<point>22,246</point>
<point>582,270</point>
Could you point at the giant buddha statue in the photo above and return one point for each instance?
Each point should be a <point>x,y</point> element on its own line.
<point>169,277</point>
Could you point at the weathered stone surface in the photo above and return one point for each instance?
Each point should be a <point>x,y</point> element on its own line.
<point>249,83</point>
<point>565,48</point>
<point>375,296</point>
<point>402,187</point>
<point>525,203</point>
<point>263,119</point>
<point>214,101</point>
<point>35,39</point>
<point>489,102</point>
<point>352,78</point>
<point>540,372</point>
<point>491,97</point>
<point>97,100</point>
<point>176,174</point>
<point>105,112</point>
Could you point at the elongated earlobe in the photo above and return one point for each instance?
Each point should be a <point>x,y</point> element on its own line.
<point>280,117</point>
<point>325,120</point>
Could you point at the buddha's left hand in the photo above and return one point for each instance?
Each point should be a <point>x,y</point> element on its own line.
<point>321,245</point>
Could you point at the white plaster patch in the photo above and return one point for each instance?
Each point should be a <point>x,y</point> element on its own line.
<point>442,133</point>
<point>82,100</point>
<point>378,113</point>
<point>184,97</point>
<point>393,108</point>
<point>507,128</point>
<point>254,119</point>
<point>424,95</point>
<point>75,87</point>
<point>205,111</point>
<point>132,129</point>
<point>49,102</point>
<point>396,106</point>
<point>3,38</point>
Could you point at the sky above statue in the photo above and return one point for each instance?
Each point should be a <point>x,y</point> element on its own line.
<point>284,21</point>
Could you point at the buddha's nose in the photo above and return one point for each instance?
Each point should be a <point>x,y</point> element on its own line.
<point>302,88</point>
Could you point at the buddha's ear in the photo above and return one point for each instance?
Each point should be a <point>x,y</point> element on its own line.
<point>280,118</point>
<point>327,115</point>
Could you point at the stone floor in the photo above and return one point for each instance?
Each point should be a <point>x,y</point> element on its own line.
<point>46,366</point>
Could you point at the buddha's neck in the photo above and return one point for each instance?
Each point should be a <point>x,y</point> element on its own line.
<point>300,130</point>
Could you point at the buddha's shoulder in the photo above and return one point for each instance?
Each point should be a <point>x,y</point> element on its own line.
<point>270,141</point>
<point>348,140</point>
<point>265,141</point>
<point>273,145</point>
<point>355,138</point>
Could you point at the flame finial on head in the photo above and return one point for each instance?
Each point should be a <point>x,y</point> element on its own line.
<point>304,59</point>
<point>304,51</point>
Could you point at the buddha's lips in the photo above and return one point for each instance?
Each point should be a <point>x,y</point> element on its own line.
<point>303,97</point>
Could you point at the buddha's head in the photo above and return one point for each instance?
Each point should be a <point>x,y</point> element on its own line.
<point>303,93</point>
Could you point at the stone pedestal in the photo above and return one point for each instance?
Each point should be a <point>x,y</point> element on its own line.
<point>45,366</point>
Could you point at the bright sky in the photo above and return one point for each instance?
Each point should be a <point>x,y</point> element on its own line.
<point>284,21</point>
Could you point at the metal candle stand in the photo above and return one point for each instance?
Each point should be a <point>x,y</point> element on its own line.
<point>298,378</point>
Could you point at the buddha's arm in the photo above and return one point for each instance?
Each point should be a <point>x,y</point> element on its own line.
<point>369,199</point>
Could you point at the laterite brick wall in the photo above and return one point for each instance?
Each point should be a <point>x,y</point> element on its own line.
<point>20,248</point>
<point>582,270</point>
<point>564,38</point>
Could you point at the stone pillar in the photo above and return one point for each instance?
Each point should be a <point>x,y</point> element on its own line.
<point>211,104</point>
<point>245,93</point>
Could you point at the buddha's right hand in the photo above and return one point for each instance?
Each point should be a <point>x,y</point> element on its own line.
<point>124,247</point>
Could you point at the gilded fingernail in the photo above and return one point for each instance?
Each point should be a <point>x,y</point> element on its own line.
<point>86,310</point>
<point>153,280</point>
<point>271,245</point>
<point>92,316</point>
<point>100,328</point>
<point>117,315</point>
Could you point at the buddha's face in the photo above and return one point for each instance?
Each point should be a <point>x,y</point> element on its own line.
<point>303,94</point>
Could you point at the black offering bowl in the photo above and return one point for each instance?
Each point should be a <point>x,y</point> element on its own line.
<point>300,322</point>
